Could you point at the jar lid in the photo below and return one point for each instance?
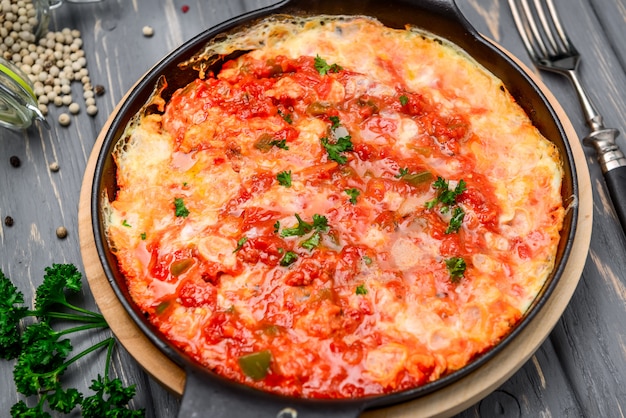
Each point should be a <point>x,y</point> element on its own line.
<point>18,102</point>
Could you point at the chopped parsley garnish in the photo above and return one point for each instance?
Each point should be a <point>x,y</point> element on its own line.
<point>456,267</point>
<point>286,117</point>
<point>367,260</point>
<point>455,222</point>
<point>180,210</point>
<point>143,236</point>
<point>445,196</point>
<point>240,243</point>
<point>323,68</point>
<point>298,230</point>
<point>447,199</point>
<point>284,178</point>
<point>320,223</point>
<point>289,258</point>
<point>335,121</point>
<point>361,290</point>
<point>312,242</point>
<point>403,172</point>
<point>276,226</point>
<point>404,100</point>
<point>354,194</point>
<point>334,150</point>
<point>126,224</point>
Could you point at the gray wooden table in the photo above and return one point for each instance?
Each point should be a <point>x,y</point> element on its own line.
<point>580,370</point>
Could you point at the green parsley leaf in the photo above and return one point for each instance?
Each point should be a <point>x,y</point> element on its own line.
<point>240,243</point>
<point>354,194</point>
<point>361,290</point>
<point>312,242</point>
<point>143,236</point>
<point>287,117</point>
<point>126,224</point>
<point>403,172</point>
<point>111,398</point>
<point>58,279</point>
<point>284,178</point>
<point>334,150</point>
<point>298,230</point>
<point>404,100</point>
<point>289,258</point>
<point>335,122</point>
<point>445,196</point>
<point>320,222</point>
<point>456,267</point>
<point>323,68</point>
<point>180,209</point>
<point>455,222</point>
<point>367,260</point>
<point>10,314</point>
<point>276,226</point>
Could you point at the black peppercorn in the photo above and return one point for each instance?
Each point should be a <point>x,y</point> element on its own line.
<point>8,221</point>
<point>15,161</point>
<point>98,89</point>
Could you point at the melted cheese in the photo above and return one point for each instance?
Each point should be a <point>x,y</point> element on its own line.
<point>207,233</point>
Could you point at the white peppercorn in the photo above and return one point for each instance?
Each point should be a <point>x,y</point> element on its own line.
<point>74,108</point>
<point>64,119</point>
<point>147,31</point>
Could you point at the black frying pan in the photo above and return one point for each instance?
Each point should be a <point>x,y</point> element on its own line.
<point>209,395</point>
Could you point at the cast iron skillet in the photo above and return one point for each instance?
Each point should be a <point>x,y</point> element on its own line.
<point>209,395</point>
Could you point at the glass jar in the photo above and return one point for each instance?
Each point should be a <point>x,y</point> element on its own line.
<point>18,103</point>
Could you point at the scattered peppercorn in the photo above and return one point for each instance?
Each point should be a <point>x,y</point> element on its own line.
<point>185,8</point>
<point>54,166</point>
<point>8,221</point>
<point>98,89</point>
<point>61,232</point>
<point>147,31</point>
<point>64,119</point>
<point>15,161</point>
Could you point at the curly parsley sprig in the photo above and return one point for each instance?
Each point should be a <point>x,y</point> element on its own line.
<point>43,354</point>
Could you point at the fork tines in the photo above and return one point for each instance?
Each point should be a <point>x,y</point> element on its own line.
<point>541,30</point>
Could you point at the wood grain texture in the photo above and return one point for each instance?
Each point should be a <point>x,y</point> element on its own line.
<point>579,371</point>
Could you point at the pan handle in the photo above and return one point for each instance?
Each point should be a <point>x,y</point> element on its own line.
<point>205,396</point>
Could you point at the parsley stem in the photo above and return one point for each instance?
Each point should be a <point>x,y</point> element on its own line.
<point>103,343</point>
<point>81,310</point>
<point>107,363</point>
<point>74,317</point>
<point>83,328</point>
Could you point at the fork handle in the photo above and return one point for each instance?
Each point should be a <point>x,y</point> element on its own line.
<point>613,164</point>
<point>616,183</point>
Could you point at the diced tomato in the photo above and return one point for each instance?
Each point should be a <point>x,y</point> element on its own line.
<point>265,249</point>
<point>194,294</point>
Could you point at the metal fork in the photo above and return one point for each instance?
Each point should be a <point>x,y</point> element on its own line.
<point>550,49</point>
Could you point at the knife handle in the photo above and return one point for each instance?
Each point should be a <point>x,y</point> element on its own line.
<point>616,183</point>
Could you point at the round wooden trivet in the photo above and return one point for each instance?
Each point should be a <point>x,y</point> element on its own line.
<point>444,402</point>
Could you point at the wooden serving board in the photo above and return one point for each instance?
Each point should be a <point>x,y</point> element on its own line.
<point>447,401</point>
